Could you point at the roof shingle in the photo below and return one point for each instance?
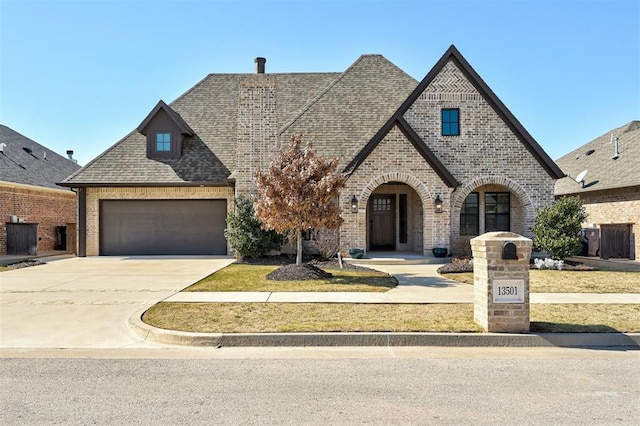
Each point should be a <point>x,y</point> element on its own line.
<point>604,172</point>
<point>27,162</point>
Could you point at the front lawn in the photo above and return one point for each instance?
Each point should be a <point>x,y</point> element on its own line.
<point>326,317</point>
<point>248,277</point>
<point>547,281</point>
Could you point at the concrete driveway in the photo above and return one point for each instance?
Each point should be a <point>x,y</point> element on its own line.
<point>86,302</point>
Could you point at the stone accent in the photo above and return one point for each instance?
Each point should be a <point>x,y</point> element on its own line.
<point>45,206</point>
<point>488,267</point>
<point>95,195</point>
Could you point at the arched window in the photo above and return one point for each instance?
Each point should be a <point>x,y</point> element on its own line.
<point>469,215</point>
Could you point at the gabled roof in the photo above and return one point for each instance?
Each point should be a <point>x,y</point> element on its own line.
<point>174,116</point>
<point>210,109</point>
<point>343,117</point>
<point>340,112</point>
<point>603,171</point>
<point>27,162</point>
<point>416,141</point>
<point>510,120</point>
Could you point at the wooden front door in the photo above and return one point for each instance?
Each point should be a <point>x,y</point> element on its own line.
<point>615,241</point>
<point>382,221</point>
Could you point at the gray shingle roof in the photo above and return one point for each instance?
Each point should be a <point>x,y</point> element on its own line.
<point>210,108</point>
<point>40,167</point>
<point>603,171</point>
<point>340,112</point>
<point>351,110</point>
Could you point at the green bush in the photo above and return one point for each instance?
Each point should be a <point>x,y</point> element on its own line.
<point>557,228</point>
<point>245,233</point>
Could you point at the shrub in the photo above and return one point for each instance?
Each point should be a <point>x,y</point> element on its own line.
<point>328,243</point>
<point>557,228</point>
<point>245,233</point>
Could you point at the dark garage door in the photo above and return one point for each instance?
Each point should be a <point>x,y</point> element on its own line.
<point>155,227</point>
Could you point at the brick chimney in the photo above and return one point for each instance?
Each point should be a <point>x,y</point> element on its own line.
<point>260,65</point>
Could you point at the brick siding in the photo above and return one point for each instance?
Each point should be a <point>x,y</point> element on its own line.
<point>620,205</point>
<point>396,160</point>
<point>46,207</point>
<point>487,152</point>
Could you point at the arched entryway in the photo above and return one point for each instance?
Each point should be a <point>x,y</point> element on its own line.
<point>399,215</point>
<point>489,204</point>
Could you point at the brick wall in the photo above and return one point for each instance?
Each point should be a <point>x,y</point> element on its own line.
<point>396,160</point>
<point>258,128</point>
<point>615,206</point>
<point>47,207</point>
<point>487,152</point>
<point>94,195</point>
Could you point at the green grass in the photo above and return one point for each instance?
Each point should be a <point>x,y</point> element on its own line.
<point>247,277</point>
<point>546,281</point>
<point>326,317</point>
<point>309,317</point>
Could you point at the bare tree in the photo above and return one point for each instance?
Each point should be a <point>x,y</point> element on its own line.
<point>299,192</point>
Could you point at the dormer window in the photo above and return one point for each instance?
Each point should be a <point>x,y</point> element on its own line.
<point>166,131</point>
<point>163,142</point>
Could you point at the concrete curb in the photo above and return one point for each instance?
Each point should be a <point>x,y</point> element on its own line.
<point>569,340</point>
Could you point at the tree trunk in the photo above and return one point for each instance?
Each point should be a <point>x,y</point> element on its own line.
<point>299,244</point>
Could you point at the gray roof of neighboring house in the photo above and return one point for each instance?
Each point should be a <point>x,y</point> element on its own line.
<point>340,112</point>
<point>27,162</point>
<point>603,172</point>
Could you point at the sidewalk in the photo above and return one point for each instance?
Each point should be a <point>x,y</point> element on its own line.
<point>418,284</point>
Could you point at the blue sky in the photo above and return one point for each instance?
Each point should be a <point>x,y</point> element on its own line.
<point>82,74</point>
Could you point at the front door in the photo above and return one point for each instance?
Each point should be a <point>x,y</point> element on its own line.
<point>382,221</point>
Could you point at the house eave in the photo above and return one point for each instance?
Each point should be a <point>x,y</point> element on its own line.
<point>142,184</point>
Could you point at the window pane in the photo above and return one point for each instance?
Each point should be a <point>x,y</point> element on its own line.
<point>454,129</point>
<point>446,129</point>
<point>453,116</point>
<point>445,116</point>
<point>502,223</point>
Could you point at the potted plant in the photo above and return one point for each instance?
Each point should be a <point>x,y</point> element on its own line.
<point>356,253</point>
<point>440,250</point>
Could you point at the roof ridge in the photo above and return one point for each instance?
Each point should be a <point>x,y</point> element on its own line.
<point>631,126</point>
<point>317,98</point>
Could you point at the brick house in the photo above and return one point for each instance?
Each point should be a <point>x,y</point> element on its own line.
<point>610,190</point>
<point>28,191</point>
<point>430,163</point>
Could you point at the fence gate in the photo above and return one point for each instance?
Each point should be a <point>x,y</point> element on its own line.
<point>615,241</point>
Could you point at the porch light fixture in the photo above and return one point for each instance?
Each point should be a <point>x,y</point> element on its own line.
<point>354,204</point>
<point>438,204</point>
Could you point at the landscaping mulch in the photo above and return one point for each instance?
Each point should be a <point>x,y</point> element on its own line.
<point>26,264</point>
<point>302,272</point>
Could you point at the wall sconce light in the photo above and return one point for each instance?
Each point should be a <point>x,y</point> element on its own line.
<point>438,204</point>
<point>354,204</point>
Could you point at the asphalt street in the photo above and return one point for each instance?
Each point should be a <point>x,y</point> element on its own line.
<point>598,388</point>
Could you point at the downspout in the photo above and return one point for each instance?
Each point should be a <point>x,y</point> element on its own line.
<point>82,222</point>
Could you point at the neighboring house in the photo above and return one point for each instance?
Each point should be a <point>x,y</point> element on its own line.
<point>430,163</point>
<point>28,192</point>
<point>610,190</point>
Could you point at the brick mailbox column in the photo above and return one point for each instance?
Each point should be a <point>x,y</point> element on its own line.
<point>501,281</point>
